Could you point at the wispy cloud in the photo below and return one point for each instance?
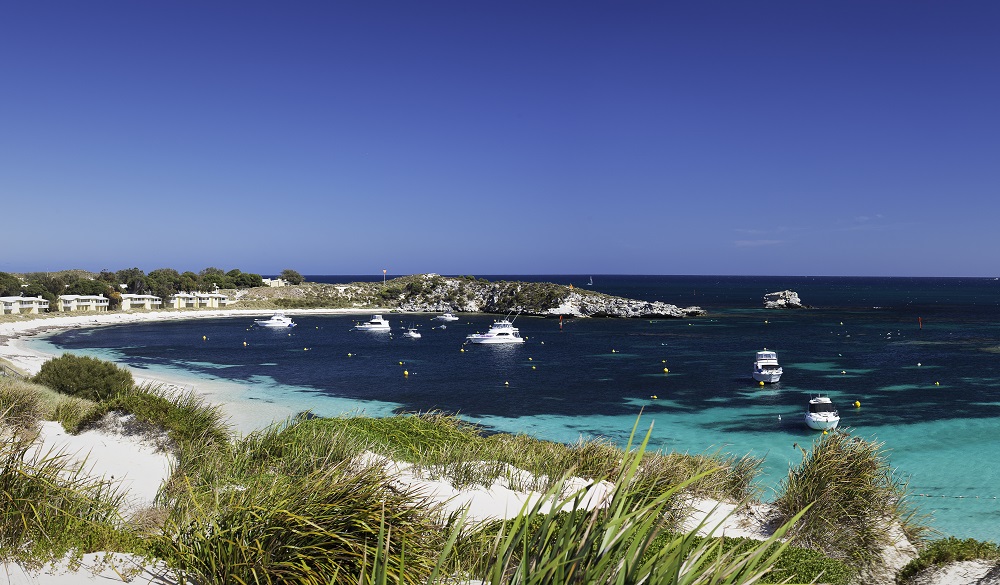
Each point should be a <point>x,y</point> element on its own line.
<point>868,218</point>
<point>751,243</point>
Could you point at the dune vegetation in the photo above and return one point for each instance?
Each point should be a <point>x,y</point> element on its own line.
<point>303,502</point>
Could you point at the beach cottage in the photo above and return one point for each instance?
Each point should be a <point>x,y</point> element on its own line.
<point>198,300</point>
<point>134,301</point>
<point>23,305</point>
<point>211,300</point>
<point>85,303</point>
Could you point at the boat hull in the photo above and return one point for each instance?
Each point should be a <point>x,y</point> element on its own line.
<point>768,377</point>
<point>493,340</point>
<point>822,423</point>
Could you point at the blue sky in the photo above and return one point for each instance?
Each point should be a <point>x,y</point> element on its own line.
<point>488,137</point>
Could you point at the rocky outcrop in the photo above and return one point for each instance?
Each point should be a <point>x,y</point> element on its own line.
<point>591,304</point>
<point>462,294</point>
<point>785,299</point>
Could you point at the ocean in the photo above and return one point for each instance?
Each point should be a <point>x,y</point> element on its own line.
<point>920,355</point>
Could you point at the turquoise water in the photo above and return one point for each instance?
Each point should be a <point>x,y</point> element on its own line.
<point>919,354</point>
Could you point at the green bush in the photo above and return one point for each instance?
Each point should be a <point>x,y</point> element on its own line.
<point>84,377</point>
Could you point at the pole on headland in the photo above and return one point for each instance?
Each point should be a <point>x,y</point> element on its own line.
<point>383,277</point>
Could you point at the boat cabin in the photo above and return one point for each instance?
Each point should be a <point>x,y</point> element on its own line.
<point>818,407</point>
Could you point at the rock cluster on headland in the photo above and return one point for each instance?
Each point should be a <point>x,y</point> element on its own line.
<point>785,299</point>
<point>464,294</point>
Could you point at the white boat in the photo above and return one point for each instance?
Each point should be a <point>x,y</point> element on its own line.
<point>502,331</point>
<point>278,319</point>
<point>411,333</point>
<point>447,317</point>
<point>376,323</point>
<point>766,368</point>
<point>591,283</point>
<point>821,415</point>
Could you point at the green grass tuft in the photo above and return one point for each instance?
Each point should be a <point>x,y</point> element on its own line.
<point>949,550</point>
<point>855,499</point>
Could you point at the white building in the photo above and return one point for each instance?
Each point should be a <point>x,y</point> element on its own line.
<point>274,282</point>
<point>133,301</point>
<point>89,303</point>
<point>22,305</point>
<point>198,300</point>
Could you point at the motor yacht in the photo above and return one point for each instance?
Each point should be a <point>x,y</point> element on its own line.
<point>822,415</point>
<point>276,320</point>
<point>376,323</point>
<point>766,368</point>
<point>502,331</point>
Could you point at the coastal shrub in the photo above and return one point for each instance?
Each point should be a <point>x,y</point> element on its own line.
<point>624,542</point>
<point>71,411</point>
<point>447,446</point>
<point>84,377</point>
<point>50,508</point>
<point>294,448</point>
<point>186,416</point>
<point>948,550</point>
<point>29,403</point>
<point>20,407</point>
<point>855,496</point>
<point>323,527</point>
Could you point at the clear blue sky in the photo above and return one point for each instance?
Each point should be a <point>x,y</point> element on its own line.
<point>485,137</point>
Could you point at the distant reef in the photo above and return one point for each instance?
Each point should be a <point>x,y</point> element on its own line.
<point>459,294</point>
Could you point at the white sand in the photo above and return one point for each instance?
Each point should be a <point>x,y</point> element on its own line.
<point>134,467</point>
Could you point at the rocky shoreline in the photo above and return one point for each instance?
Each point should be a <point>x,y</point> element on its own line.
<point>429,293</point>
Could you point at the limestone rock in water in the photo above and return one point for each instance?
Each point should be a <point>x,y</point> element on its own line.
<point>785,299</point>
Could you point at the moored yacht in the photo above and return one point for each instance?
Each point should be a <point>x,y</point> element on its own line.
<point>822,415</point>
<point>412,333</point>
<point>278,319</point>
<point>376,323</point>
<point>766,368</point>
<point>502,331</point>
<point>448,316</point>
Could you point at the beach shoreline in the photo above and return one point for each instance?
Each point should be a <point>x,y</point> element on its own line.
<point>244,415</point>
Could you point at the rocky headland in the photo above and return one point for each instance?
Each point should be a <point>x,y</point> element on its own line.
<point>459,294</point>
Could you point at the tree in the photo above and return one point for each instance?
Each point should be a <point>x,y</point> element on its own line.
<point>56,284</point>
<point>189,282</point>
<point>291,277</point>
<point>213,277</point>
<point>135,280</point>
<point>164,282</point>
<point>85,286</point>
<point>10,285</point>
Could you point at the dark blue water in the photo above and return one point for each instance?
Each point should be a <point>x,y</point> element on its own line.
<point>920,355</point>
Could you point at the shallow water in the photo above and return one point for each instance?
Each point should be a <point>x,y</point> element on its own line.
<point>927,388</point>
